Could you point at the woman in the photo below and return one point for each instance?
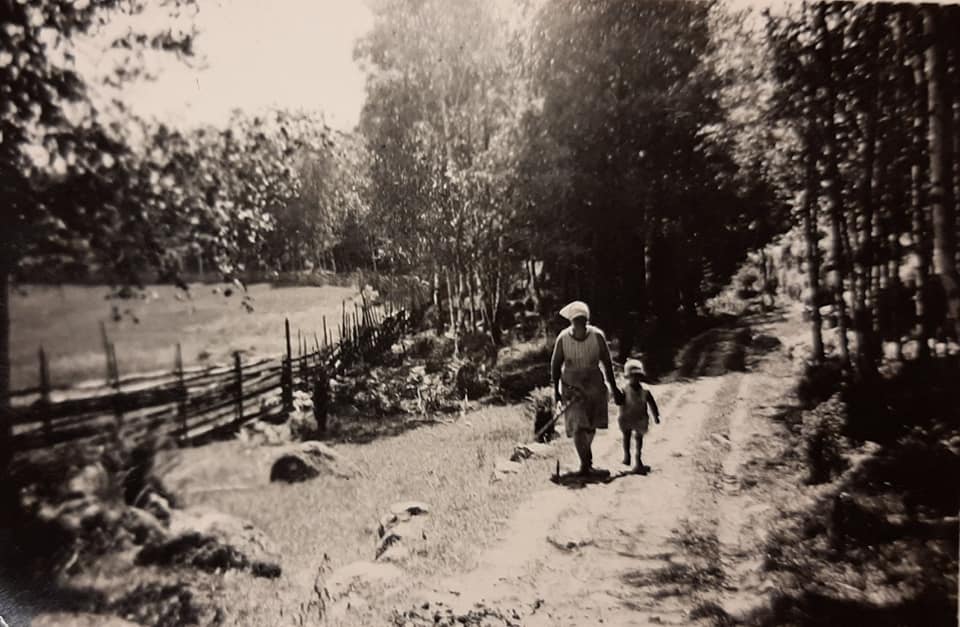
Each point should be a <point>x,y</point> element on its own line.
<point>578,353</point>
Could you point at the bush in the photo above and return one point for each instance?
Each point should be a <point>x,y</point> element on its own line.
<point>818,383</point>
<point>824,442</point>
<point>539,406</point>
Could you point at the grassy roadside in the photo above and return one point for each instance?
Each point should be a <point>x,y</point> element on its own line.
<point>450,466</point>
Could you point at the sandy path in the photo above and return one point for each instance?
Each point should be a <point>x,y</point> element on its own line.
<point>667,548</point>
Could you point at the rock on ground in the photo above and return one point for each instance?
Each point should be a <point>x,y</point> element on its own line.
<point>307,460</point>
<point>401,530</point>
<point>532,449</point>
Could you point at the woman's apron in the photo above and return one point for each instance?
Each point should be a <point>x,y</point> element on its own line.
<point>582,384</point>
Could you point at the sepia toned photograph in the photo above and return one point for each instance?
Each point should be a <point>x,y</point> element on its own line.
<point>493,313</point>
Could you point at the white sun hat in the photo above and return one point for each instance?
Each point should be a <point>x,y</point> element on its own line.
<point>575,309</point>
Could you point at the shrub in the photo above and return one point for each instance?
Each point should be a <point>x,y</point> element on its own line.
<point>539,406</point>
<point>824,442</point>
<point>818,383</point>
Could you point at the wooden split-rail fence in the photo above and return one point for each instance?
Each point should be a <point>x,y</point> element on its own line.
<point>192,406</point>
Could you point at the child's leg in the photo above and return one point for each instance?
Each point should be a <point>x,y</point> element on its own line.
<point>626,446</point>
<point>639,449</point>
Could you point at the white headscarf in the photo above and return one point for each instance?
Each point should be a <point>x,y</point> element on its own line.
<point>575,309</point>
<point>634,365</point>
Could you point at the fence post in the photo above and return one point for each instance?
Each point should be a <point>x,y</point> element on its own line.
<point>238,376</point>
<point>325,341</point>
<point>45,395</point>
<point>181,395</point>
<point>117,406</point>
<point>321,398</point>
<point>106,352</point>
<point>286,375</point>
<point>301,357</point>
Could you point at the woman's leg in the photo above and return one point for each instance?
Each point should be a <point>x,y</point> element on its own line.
<point>582,439</point>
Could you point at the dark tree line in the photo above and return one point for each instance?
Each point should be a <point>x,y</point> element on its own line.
<point>871,92</point>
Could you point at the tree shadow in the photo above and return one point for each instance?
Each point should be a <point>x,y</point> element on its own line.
<point>814,609</point>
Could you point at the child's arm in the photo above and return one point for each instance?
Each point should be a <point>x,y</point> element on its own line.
<point>653,406</point>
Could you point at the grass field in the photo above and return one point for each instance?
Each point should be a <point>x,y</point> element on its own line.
<point>65,321</point>
<point>450,466</point>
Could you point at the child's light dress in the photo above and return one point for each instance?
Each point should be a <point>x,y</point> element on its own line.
<point>633,413</point>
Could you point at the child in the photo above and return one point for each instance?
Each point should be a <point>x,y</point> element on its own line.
<point>633,411</point>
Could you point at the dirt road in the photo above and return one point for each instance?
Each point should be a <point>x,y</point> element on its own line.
<point>678,546</point>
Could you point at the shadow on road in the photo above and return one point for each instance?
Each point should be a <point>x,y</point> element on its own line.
<point>576,481</point>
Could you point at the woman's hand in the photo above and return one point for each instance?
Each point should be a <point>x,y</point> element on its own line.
<point>618,396</point>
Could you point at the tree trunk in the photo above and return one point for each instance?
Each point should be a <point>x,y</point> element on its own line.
<point>832,181</point>
<point>6,425</point>
<point>533,290</point>
<point>941,171</point>
<point>453,321</point>
<point>872,166</point>
<point>809,213</point>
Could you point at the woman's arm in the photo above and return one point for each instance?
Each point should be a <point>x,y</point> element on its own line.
<point>556,367</point>
<point>607,362</point>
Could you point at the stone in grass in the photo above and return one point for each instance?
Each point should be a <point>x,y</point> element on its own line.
<point>401,531</point>
<point>532,449</point>
<point>401,512</point>
<point>307,460</point>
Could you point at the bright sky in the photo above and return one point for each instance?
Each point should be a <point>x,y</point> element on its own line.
<point>296,54</point>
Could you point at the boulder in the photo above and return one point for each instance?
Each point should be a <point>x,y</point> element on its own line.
<point>400,538</point>
<point>401,531</point>
<point>307,460</point>
<point>532,449</point>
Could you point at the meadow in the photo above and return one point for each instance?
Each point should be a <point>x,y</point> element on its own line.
<point>209,325</point>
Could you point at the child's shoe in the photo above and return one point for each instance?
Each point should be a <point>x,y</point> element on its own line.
<point>641,469</point>
<point>626,460</point>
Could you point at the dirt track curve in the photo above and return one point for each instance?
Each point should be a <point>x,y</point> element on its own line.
<point>674,547</point>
